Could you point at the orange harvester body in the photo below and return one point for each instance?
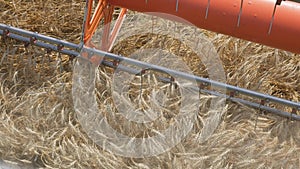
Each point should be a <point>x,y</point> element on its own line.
<point>260,21</point>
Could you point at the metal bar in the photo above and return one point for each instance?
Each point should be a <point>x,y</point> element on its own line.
<point>214,93</point>
<point>254,105</point>
<point>45,45</point>
<point>39,36</point>
<point>144,65</point>
<point>193,77</point>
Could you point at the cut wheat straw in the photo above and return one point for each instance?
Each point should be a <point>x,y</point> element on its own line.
<point>38,123</point>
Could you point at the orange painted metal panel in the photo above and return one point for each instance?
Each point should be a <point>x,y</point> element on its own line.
<point>286,26</point>
<point>246,19</point>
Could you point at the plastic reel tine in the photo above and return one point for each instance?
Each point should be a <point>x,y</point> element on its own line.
<point>59,48</point>
<point>21,57</point>
<point>8,63</point>
<point>207,9</point>
<point>173,86</point>
<point>143,71</point>
<point>273,17</point>
<point>35,56</point>
<point>4,56</point>
<point>71,62</point>
<point>294,111</point>
<point>256,119</point>
<point>44,56</point>
<point>28,53</point>
<point>45,60</point>
<point>33,53</point>
<point>48,56</point>
<point>9,50</point>
<point>13,52</point>
<point>240,13</point>
<point>29,61</point>
<point>59,63</point>
<point>262,103</point>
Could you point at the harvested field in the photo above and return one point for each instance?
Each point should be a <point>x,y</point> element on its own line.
<point>39,126</point>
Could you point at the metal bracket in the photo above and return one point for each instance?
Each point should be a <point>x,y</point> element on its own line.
<point>5,34</point>
<point>60,47</point>
<point>33,40</point>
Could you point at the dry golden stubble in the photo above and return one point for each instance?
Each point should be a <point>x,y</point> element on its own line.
<point>40,126</point>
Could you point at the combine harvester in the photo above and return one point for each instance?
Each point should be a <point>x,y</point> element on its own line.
<point>269,22</point>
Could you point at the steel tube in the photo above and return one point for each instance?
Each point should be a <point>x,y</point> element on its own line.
<point>39,36</point>
<point>246,19</point>
<point>44,45</point>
